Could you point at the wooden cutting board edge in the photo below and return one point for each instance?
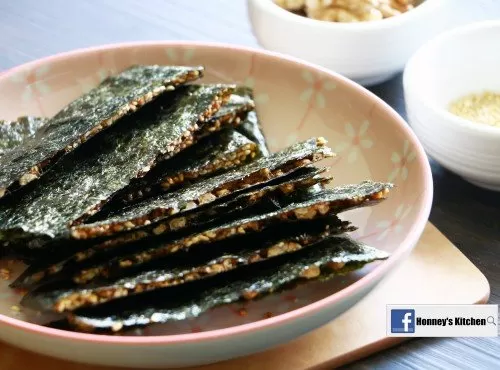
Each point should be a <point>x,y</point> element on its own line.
<point>372,348</point>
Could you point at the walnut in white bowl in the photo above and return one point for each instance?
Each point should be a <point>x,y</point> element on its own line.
<point>292,5</point>
<point>348,10</point>
<point>368,52</point>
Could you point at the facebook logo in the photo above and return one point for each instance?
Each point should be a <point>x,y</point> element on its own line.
<point>402,321</point>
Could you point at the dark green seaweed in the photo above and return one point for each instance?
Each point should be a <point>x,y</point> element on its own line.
<point>334,256</point>
<point>250,127</point>
<point>236,108</point>
<point>228,117</point>
<point>82,181</point>
<point>15,133</point>
<point>186,267</point>
<point>210,156</point>
<point>222,211</point>
<point>83,118</point>
<point>241,101</point>
<point>302,206</point>
<point>227,184</point>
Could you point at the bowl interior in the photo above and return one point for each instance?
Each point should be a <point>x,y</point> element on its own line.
<point>295,101</point>
<point>457,64</point>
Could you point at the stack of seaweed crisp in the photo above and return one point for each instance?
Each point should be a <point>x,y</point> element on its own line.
<point>154,198</point>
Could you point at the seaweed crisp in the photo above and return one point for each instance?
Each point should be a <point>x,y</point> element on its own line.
<point>177,209</point>
<point>82,181</point>
<point>250,126</point>
<point>231,182</point>
<point>15,133</point>
<point>232,112</point>
<point>186,267</point>
<point>332,257</point>
<point>222,211</point>
<point>210,156</point>
<point>304,206</point>
<point>83,118</point>
<point>228,116</point>
<point>240,101</point>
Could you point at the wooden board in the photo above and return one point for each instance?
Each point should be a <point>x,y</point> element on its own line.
<point>430,275</point>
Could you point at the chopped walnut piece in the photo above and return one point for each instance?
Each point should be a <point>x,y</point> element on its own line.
<point>250,294</point>
<point>15,309</point>
<point>336,266</point>
<point>292,5</point>
<point>4,274</point>
<point>27,178</point>
<point>177,223</point>
<point>268,315</point>
<point>310,272</point>
<point>345,11</point>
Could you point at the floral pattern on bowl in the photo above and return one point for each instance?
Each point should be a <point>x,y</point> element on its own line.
<point>295,101</point>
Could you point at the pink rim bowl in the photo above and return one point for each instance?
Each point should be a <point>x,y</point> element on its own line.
<point>295,100</point>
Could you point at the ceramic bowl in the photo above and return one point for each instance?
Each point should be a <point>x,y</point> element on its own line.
<point>367,52</point>
<point>459,62</point>
<point>296,101</point>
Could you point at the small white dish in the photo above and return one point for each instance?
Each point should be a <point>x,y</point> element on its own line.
<point>366,52</point>
<point>457,63</point>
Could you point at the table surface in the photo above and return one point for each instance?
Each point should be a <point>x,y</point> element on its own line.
<point>467,215</point>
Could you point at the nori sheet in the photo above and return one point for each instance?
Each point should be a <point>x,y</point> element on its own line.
<point>82,181</point>
<point>186,267</point>
<point>15,133</point>
<point>236,108</point>
<point>332,257</point>
<point>300,206</point>
<point>83,118</point>
<point>210,156</point>
<point>165,205</point>
<point>240,101</point>
<point>250,126</point>
<point>222,211</point>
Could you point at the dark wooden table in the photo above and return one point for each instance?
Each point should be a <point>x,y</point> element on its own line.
<point>469,216</point>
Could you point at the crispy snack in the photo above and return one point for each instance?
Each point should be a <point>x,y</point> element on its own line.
<point>250,126</point>
<point>306,206</point>
<point>228,116</point>
<point>236,108</point>
<point>82,119</point>
<point>332,257</point>
<point>186,267</point>
<point>210,156</point>
<point>237,179</point>
<point>82,181</point>
<point>15,133</point>
<point>301,178</point>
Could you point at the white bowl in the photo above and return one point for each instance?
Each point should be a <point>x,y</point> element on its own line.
<point>366,52</point>
<point>461,61</point>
